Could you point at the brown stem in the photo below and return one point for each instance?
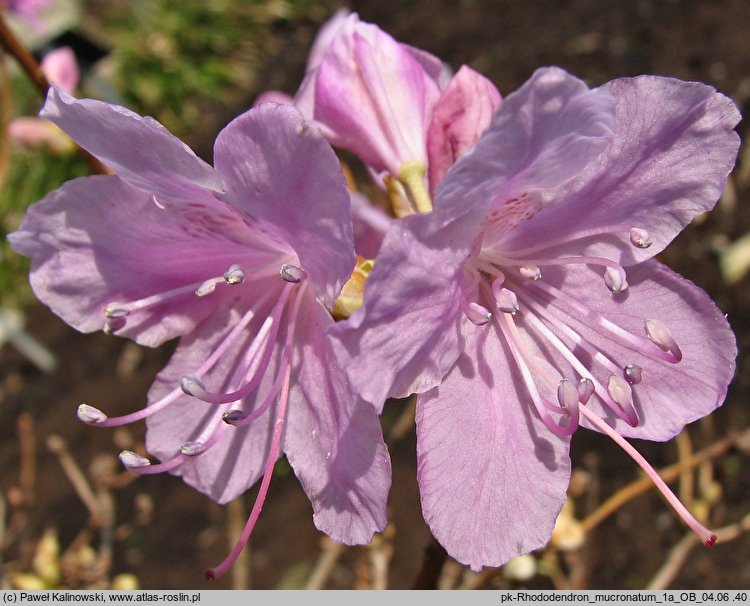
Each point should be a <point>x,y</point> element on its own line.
<point>30,65</point>
<point>6,110</point>
<point>13,47</point>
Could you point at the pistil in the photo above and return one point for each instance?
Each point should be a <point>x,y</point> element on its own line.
<point>708,537</point>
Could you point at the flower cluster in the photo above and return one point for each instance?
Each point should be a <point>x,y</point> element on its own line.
<point>512,285</point>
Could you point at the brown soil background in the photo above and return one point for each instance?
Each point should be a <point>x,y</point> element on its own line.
<point>506,40</point>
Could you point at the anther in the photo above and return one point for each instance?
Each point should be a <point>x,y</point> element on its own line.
<point>530,271</point>
<point>234,275</point>
<point>567,394</point>
<point>230,417</point>
<point>619,390</point>
<point>505,300</point>
<point>585,390</point>
<point>116,310</point>
<point>133,460</point>
<point>192,385</point>
<point>206,288</point>
<point>477,314</point>
<point>91,415</point>
<point>633,374</point>
<point>292,273</point>
<point>640,238</point>
<point>192,448</point>
<point>615,279</point>
<point>113,325</point>
<point>660,335</point>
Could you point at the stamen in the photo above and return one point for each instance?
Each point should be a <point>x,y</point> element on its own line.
<point>659,334</point>
<point>640,238</point>
<point>273,454</point>
<point>615,279</point>
<point>518,350</point>
<point>89,414</point>
<point>177,392</point>
<point>626,414</point>
<point>567,394</point>
<point>619,389</point>
<point>206,288</point>
<point>238,418</point>
<point>708,537</point>
<point>633,374</point>
<point>292,273</point>
<point>209,435</point>
<point>234,275</point>
<point>477,314</point>
<point>116,310</point>
<point>265,339</point>
<point>585,315</point>
<point>505,299</point>
<point>585,390</point>
<point>531,272</point>
<point>614,274</point>
<point>112,325</point>
<point>192,448</point>
<point>133,460</point>
<point>232,416</point>
<point>192,386</point>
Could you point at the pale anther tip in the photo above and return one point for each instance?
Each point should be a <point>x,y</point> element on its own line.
<point>230,417</point>
<point>292,273</point>
<point>192,448</point>
<point>116,310</point>
<point>190,384</point>
<point>89,414</point>
<point>234,275</point>
<point>133,460</point>
<point>206,288</point>
<point>640,238</point>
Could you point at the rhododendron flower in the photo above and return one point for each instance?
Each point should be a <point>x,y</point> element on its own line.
<point>371,95</point>
<point>240,261</point>
<point>529,303</point>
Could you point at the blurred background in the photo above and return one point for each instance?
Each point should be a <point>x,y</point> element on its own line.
<point>71,518</point>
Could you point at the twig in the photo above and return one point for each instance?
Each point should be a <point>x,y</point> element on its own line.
<point>668,474</point>
<point>679,553</point>
<point>6,111</point>
<point>26,60</point>
<point>21,497</point>
<point>330,554</point>
<point>33,70</point>
<point>80,484</point>
<point>236,515</point>
<point>27,447</point>
<point>381,551</point>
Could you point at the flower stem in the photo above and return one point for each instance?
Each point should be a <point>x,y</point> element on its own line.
<point>411,175</point>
